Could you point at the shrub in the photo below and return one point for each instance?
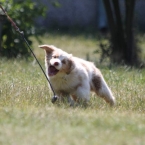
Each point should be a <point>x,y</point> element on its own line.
<point>24,14</point>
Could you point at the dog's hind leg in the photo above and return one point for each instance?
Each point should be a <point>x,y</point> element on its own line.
<point>101,89</point>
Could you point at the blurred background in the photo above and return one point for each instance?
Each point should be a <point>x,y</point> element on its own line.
<point>86,14</point>
<point>115,28</point>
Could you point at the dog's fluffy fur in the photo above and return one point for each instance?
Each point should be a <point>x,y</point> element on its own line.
<point>73,76</point>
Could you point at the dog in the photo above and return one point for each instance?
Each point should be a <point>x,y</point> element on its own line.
<point>74,77</point>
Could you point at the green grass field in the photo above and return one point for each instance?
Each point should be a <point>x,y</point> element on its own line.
<point>27,116</point>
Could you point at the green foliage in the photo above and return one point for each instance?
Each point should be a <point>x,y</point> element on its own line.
<point>23,13</point>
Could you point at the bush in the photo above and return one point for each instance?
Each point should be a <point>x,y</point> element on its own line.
<point>24,14</point>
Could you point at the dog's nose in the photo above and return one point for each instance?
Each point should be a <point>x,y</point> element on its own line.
<point>56,63</point>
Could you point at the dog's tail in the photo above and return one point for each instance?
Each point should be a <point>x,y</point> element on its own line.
<point>101,88</point>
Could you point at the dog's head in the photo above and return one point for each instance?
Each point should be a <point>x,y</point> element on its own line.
<point>57,60</point>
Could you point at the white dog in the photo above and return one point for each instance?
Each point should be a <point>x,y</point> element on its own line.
<point>73,76</point>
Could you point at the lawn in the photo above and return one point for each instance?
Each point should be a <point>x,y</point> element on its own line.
<point>27,116</point>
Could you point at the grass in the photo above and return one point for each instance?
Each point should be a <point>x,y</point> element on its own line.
<point>27,115</point>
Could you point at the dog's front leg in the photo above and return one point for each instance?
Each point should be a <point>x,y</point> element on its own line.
<point>82,94</point>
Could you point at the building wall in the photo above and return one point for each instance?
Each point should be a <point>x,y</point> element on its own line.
<point>140,14</point>
<point>71,13</point>
<point>84,13</point>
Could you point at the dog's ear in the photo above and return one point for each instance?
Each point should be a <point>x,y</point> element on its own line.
<point>71,64</point>
<point>47,48</point>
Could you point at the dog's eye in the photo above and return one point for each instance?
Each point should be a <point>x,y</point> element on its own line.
<point>54,56</point>
<point>63,61</point>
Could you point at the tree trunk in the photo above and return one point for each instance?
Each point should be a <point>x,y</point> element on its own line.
<point>122,41</point>
<point>0,33</point>
<point>116,30</point>
<point>131,52</point>
<point>2,18</point>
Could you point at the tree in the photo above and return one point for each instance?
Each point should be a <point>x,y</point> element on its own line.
<point>123,46</point>
<point>24,14</point>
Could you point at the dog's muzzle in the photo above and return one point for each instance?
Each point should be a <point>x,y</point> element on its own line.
<point>52,70</point>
